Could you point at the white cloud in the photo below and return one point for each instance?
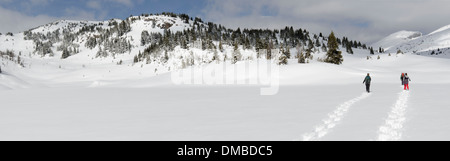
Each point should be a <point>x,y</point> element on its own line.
<point>17,21</point>
<point>128,3</point>
<point>365,20</point>
<point>94,4</point>
<point>97,4</point>
<point>78,14</point>
<point>30,5</point>
<point>13,21</point>
<point>40,2</point>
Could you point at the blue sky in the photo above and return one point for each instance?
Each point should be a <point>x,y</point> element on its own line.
<point>101,9</point>
<point>364,20</point>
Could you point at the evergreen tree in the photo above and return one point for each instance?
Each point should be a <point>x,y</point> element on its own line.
<point>101,53</point>
<point>269,50</point>
<point>136,59</point>
<point>145,38</point>
<point>91,43</point>
<point>381,50</point>
<point>166,57</point>
<point>310,48</point>
<point>216,55</point>
<point>344,42</point>
<point>300,55</point>
<point>324,47</point>
<point>364,46</point>
<point>221,46</point>
<point>140,56</point>
<point>301,58</point>
<point>349,48</point>
<point>236,54</point>
<point>287,52</point>
<point>65,54</point>
<point>193,35</point>
<point>184,44</point>
<point>283,60</point>
<point>333,55</point>
<point>371,51</point>
<point>247,43</point>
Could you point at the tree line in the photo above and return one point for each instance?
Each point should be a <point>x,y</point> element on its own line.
<point>114,40</point>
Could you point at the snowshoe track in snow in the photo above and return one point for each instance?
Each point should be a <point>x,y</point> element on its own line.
<point>393,127</point>
<point>333,119</point>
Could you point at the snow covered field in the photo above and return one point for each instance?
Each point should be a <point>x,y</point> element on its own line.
<point>315,101</point>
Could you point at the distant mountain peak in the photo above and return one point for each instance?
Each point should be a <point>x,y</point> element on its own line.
<point>397,38</point>
<point>416,42</point>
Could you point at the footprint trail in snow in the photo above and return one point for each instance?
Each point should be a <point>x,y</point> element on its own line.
<point>393,127</point>
<point>332,120</point>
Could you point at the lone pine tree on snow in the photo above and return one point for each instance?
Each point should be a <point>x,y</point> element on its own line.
<point>333,55</point>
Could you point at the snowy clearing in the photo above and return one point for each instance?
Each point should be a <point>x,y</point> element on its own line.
<point>150,107</point>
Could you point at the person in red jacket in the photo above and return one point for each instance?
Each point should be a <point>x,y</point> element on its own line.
<point>406,80</point>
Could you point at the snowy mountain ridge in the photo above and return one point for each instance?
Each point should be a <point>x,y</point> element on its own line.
<point>397,39</point>
<point>172,40</point>
<point>440,29</point>
<point>436,43</point>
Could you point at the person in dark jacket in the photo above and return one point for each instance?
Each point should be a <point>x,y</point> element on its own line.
<point>406,80</point>
<point>401,78</point>
<point>367,80</point>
